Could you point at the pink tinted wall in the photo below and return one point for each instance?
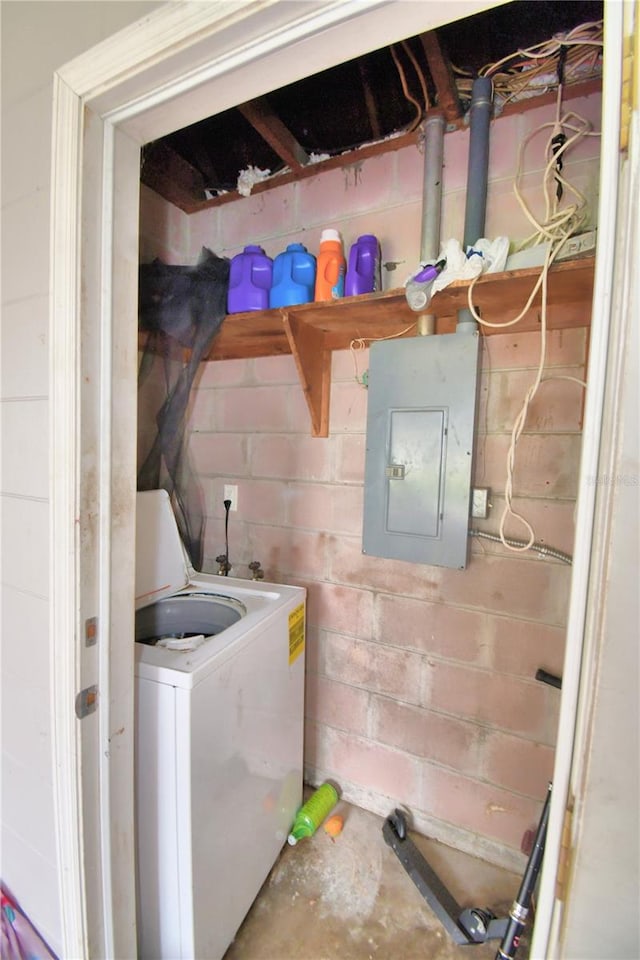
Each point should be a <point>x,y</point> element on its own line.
<point>420,680</point>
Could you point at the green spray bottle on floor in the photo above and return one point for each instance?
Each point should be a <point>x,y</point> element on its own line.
<point>313,812</point>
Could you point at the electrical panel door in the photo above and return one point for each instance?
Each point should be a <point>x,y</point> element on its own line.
<point>420,431</point>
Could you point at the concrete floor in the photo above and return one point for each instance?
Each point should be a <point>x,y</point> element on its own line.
<point>351,899</point>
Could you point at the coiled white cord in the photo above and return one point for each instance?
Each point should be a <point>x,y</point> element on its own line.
<point>556,228</point>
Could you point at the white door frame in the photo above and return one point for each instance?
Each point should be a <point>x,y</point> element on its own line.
<point>182,63</point>
<point>615,287</point>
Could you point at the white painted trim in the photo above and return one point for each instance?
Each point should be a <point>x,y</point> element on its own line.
<point>227,61</point>
<point>164,32</point>
<point>161,58</point>
<point>63,432</point>
<point>104,581</point>
<point>584,575</point>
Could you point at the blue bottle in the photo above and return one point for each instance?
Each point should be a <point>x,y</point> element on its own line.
<point>294,277</point>
<point>249,280</point>
<point>363,270</point>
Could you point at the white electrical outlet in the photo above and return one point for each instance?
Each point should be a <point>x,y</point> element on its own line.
<point>231,493</point>
<point>480,503</point>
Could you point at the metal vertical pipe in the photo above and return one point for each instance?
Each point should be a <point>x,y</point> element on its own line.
<point>431,202</point>
<point>432,187</point>
<point>477,176</point>
<point>478,168</point>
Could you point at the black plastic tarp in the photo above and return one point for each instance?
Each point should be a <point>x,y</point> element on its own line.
<point>179,306</point>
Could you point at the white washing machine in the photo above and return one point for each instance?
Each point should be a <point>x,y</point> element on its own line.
<point>219,733</point>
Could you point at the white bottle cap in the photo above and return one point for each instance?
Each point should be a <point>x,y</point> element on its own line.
<point>330,234</point>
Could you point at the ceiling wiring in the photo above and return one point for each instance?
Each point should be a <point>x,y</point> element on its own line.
<point>419,73</point>
<point>405,89</point>
<point>420,108</point>
<point>534,70</point>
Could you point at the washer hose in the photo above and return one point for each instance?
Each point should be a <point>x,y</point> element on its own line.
<point>539,548</point>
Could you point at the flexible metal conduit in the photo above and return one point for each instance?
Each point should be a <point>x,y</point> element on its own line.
<point>539,548</point>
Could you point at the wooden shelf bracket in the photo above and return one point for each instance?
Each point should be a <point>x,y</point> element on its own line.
<point>313,362</point>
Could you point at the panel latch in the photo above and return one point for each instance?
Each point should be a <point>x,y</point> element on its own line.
<point>395,471</point>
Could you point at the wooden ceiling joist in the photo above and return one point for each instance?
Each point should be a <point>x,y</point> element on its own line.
<point>370,102</point>
<point>170,175</point>
<point>272,129</point>
<point>180,183</point>
<point>311,170</point>
<point>203,158</point>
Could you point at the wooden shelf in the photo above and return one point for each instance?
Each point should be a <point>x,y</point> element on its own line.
<point>311,331</point>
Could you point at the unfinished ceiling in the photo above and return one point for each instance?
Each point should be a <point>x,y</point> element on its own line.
<point>371,104</point>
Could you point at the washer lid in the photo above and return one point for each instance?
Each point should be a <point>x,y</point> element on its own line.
<point>161,560</point>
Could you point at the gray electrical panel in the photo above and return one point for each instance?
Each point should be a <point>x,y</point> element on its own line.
<point>420,431</point>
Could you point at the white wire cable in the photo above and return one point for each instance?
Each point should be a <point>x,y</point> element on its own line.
<point>517,74</point>
<point>585,34</point>
<point>518,427</point>
<point>360,343</point>
<point>556,228</point>
<point>582,383</point>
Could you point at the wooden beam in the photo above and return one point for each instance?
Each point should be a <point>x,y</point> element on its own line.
<point>170,175</point>
<point>369,100</point>
<point>190,204</point>
<point>443,77</point>
<point>582,88</point>
<point>312,169</point>
<point>272,129</point>
<point>205,164</point>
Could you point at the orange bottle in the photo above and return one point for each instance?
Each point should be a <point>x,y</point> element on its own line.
<point>331,267</point>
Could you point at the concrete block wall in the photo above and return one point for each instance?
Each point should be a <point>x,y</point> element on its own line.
<point>420,680</point>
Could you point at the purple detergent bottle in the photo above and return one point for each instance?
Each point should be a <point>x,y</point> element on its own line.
<point>249,280</point>
<point>363,270</point>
